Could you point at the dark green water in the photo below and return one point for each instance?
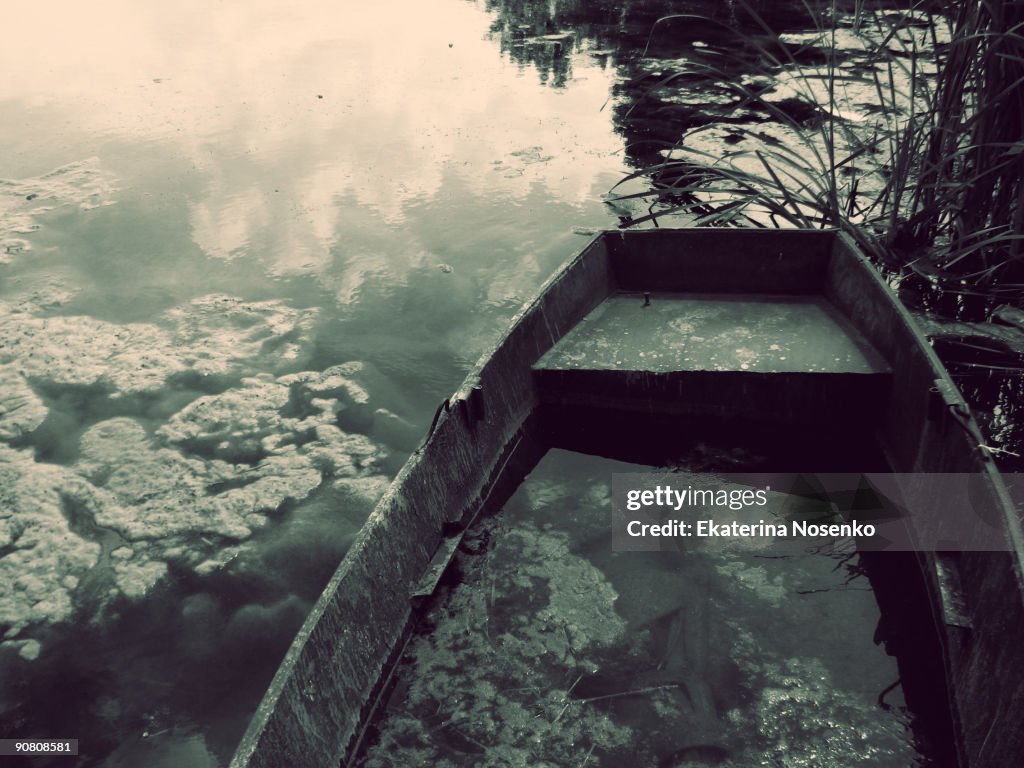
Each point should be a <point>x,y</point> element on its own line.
<point>550,648</point>
<point>203,210</point>
<point>244,252</point>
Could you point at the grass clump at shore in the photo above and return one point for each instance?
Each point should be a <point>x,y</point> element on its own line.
<point>901,129</point>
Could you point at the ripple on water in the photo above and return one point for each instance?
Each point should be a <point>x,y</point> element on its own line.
<point>23,202</point>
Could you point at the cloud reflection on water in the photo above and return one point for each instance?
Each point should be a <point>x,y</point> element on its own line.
<point>384,168</point>
<point>286,111</point>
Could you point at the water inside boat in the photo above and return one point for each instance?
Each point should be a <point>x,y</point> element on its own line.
<point>546,647</point>
<point>715,332</point>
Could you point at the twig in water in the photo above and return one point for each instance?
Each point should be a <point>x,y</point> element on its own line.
<point>469,738</point>
<point>586,757</point>
<point>620,694</point>
<point>568,700</point>
<point>568,643</point>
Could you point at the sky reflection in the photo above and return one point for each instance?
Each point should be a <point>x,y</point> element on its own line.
<point>227,183</point>
<point>282,113</point>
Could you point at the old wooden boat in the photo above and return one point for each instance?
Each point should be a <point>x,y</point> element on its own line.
<point>618,340</point>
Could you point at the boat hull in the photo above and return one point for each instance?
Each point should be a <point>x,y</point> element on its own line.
<point>333,673</point>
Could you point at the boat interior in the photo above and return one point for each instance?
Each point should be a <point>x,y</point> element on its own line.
<point>768,330</point>
<point>782,351</point>
<point>689,447</point>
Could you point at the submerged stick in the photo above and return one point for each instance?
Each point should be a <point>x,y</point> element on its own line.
<point>637,692</point>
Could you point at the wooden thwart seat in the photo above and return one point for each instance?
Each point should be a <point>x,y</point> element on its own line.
<point>788,357</point>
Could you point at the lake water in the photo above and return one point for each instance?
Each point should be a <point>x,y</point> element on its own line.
<point>199,202</point>
<point>245,250</point>
<point>550,648</point>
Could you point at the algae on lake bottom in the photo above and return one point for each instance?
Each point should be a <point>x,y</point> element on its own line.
<point>549,649</point>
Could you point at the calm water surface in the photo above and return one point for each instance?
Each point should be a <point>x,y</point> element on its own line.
<point>245,249</point>
<point>198,202</point>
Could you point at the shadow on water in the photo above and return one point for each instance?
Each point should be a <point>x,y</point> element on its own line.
<point>127,707</point>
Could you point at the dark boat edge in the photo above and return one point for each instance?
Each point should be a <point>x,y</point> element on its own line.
<point>334,669</point>
<point>976,597</point>
<point>313,706</point>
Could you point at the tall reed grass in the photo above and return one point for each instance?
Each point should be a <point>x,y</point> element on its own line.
<point>926,178</point>
<point>968,196</point>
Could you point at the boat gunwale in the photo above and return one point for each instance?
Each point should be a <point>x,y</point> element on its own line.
<point>252,750</point>
<point>269,729</point>
<point>968,641</point>
<point>985,461</point>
